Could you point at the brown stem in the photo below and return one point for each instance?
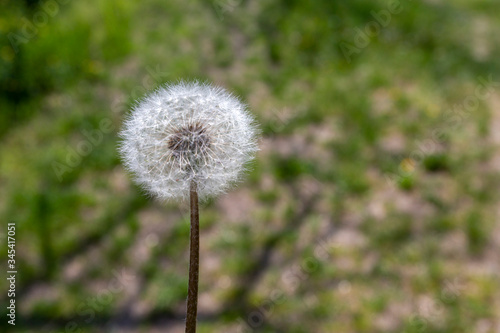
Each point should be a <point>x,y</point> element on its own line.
<point>194,262</point>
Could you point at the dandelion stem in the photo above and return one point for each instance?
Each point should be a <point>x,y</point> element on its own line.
<point>194,261</point>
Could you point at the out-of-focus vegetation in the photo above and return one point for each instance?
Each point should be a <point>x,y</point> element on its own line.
<point>388,159</point>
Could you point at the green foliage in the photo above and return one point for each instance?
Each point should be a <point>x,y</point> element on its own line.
<point>349,155</point>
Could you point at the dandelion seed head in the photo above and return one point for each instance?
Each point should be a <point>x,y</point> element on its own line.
<point>188,132</point>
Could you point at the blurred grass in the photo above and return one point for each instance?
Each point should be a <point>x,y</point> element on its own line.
<point>337,163</point>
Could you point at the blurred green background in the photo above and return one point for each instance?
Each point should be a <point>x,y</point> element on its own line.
<point>373,204</point>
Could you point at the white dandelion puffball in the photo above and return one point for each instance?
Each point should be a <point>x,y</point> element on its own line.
<point>188,133</point>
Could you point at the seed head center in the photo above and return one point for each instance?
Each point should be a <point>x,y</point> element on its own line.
<point>189,141</point>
